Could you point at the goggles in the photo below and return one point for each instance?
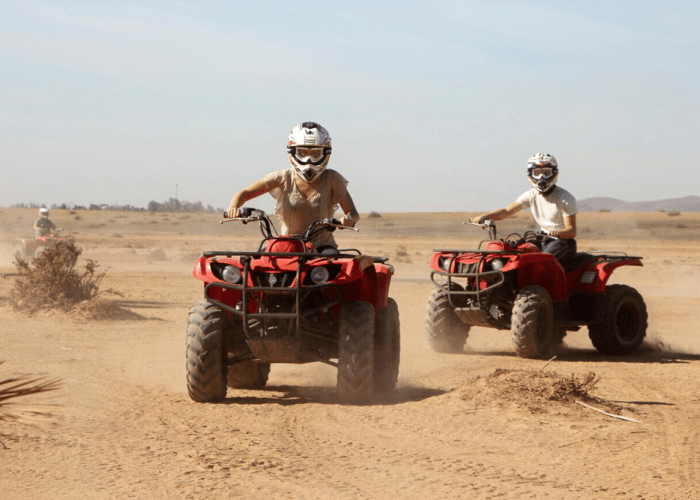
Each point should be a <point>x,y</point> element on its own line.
<point>305,155</point>
<point>308,153</point>
<point>539,172</point>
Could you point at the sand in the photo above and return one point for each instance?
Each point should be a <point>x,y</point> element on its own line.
<point>457,426</point>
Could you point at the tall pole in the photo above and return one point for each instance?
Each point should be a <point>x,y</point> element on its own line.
<point>176,191</point>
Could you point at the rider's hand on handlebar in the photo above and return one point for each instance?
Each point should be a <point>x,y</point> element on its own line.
<point>478,219</point>
<point>347,221</point>
<point>232,212</point>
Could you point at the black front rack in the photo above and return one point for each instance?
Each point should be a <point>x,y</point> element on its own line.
<point>477,276</point>
<point>296,291</point>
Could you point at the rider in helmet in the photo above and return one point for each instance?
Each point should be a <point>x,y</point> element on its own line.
<point>43,226</point>
<point>553,208</point>
<point>308,190</point>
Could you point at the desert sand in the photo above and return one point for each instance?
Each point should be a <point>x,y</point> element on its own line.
<point>123,425</point>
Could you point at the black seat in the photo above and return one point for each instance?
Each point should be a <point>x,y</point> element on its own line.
<point>579,260</point>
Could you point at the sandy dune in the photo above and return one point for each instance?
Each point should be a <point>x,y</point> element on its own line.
<point>125,427</point>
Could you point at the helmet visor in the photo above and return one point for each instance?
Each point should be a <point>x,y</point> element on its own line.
<point>540,172</point>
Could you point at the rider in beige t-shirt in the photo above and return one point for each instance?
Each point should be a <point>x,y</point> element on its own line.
<point>307,191</point>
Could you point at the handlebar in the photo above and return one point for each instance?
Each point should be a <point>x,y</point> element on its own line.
<point>483,223</point>
<point>248,214</point>
<point>333,222</point>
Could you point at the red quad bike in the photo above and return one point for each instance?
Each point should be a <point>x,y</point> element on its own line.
<point>289,303</point>
<point>29,249</point>
<point>512,285</point>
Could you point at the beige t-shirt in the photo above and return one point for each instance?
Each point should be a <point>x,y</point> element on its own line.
<point>296,213</point>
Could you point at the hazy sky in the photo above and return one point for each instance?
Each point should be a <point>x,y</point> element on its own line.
<point>432,105</point>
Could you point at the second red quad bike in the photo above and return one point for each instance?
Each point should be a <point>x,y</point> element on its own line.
<point>510,284</point>
<point>289,303</point>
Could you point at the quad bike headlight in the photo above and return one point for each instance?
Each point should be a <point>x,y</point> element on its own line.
<point>319,275</point>
<point>497,264</point>
<point>445,263</point>
<point>232,274</point>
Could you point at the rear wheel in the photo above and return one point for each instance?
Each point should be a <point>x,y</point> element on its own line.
<point>387,348</point>
<point>532,323</point>
<point>206,371</point>
<point>443,329</point>
<point>248,375</point>
<point>624,324</point>
<point>355,352</point>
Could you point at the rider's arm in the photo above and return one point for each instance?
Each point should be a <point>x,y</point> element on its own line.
<point>569,230</point>
<point>253,191</point>
<point>501,213</point>
<point>351,216</point>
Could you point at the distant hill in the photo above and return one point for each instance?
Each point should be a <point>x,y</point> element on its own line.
<point>685,204</point>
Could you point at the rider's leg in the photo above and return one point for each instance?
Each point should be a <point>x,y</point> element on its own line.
<point>563,250</point>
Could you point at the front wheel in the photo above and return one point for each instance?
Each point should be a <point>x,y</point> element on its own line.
<point>624,324</point>
<point>443,329</point>
<point>355,352</point>
<point>532,323</point>
<point>387,348</point>
<point>206,370</point>
<point>38,252</point>
<point>19,253</point>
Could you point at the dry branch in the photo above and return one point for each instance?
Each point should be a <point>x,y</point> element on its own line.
<point>610,414</point>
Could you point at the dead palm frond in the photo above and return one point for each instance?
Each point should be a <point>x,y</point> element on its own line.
<point>19,386</point>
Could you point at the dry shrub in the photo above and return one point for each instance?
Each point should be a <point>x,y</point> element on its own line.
<point>374,215</point>
<point>673,213</point>
<point>53,282</point>
<point>534,390</point>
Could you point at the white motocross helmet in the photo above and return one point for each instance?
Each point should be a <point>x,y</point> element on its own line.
<point>44,213</point>
<point>309,149</point>
<point>542,171</point>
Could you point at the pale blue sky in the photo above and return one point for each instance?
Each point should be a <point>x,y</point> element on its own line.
<point>431,105</point>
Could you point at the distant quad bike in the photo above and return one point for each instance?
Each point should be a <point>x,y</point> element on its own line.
<point>29,249</point>
<point>512,285</point>
<point>289,303</point>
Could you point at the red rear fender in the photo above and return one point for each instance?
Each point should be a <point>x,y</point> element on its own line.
<point>594,277</point>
